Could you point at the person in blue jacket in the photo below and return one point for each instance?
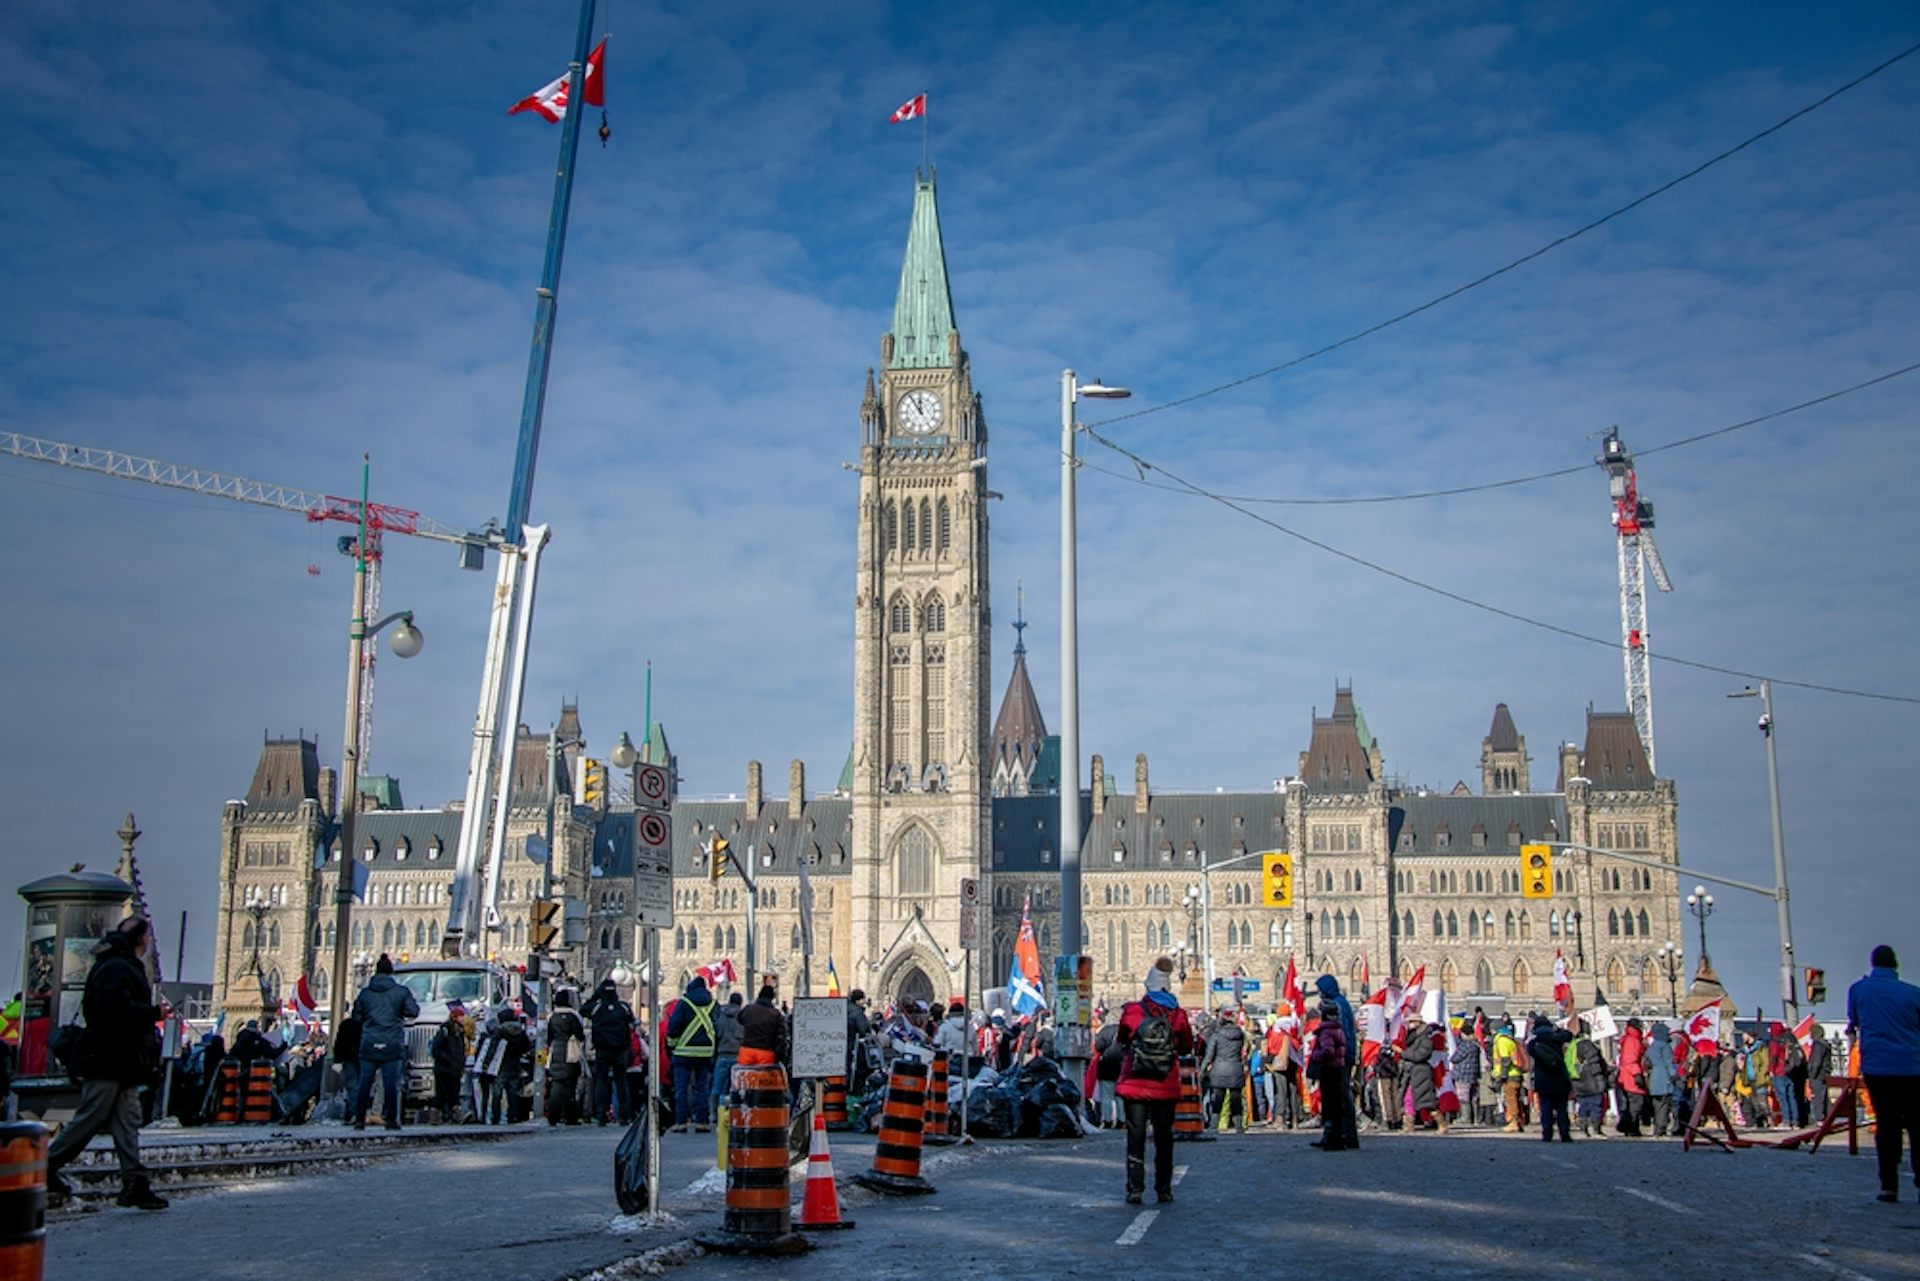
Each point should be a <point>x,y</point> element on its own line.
<point>1884,1014</point>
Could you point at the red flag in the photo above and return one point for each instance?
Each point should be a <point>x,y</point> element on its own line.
<point>912,108</point>
<point>1372,1018</point>
<point>1703,1029</point>
<point>1290,990</point>
<point>550,102</point>
<point>1803,1033</point>
<point>1562,985</point>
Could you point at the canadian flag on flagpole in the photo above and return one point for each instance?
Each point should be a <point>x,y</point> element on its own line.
<point>1703,1029</point>
<point>912,109</point>
<point>720,971</point>
<point>1290,990</point>
<point>1562,985</point>
<point>1412,997</point>
<point>304,1007</point>
<point>1446,1093</point>
<point>1803,1033</point>
<point>550,103</point>
<point>1372,1018</point>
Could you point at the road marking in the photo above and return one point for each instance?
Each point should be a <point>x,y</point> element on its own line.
<point>1660,1201</point>
<point>1138,1228</point>
<point>1844,1273</point>
<point>1179,1173</point>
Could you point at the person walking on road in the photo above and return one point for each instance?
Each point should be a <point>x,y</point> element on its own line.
<point>1465,1063</point>
<point>383,1009</point>
<point>448,1050</point>
<point>1106,1075</point>
<point>1660,1080</point>
<point>611,1020</point>
<point>1509,1074</point>
<point>1884,1014</point>
<point>726,1051</point>
<point>1590,1082</point>
<point>692,1037</point>
<point>515,1066</point>
<point>1283,1070</point>
<point>1630,1079</point>
<point>1154,1034</point>
<point>1329,1062</point>
<point>1547,1047</point>
<point>1224,1067</point>
<point>1819,1068</point>
<point>764,1039</point>
<point>566,1047</point>
<point>1416,1057</point>
<point>1787,1068</point>
<point>118,1054</point>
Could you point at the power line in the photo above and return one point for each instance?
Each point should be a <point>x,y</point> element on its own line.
<point>1471,603</point>
<point>1510,482</point>
<point>1524,259</point>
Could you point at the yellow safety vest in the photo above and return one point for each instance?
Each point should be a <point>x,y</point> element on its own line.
<point>701,1021</point>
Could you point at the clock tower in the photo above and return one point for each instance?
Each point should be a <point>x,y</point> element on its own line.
<point>921,787</point>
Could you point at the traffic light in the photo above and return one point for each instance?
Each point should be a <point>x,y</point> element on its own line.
<point>1816,986</point>
<point>593,781</point>
<point>1536,871</point>
<point>1276,879</point>
<point>716,858</point>
<point>546,923</point>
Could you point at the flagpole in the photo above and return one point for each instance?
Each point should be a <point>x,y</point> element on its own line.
<point>926,140</point>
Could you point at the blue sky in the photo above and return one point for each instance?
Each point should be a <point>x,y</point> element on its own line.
<point>268,238</point>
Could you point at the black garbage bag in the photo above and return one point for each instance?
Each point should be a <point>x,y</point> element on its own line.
<point>993,1113</point>
<point>630,1167</point>
<point>1059,1121</point>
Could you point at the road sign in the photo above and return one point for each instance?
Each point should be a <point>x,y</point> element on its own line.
<point>652,786</point>
<point>819,1036</point>
<point>1536,871</point>
<point>969,913</point>
<point>653,869</point>
<point>1276,879</point>
<point>1245,985</point>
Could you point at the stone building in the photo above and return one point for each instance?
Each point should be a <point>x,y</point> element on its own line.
<point>1388,876</point>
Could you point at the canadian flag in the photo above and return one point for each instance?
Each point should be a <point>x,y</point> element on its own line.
<point>304,1007</point>
<point>1290,990</point>
<point>1803,1033</point>
<point>1443,1088</point>
<point>911,109</point>
<point>1373,1026</point>
<point>720,971</point>
<point>550,102</point>
<point>1562,985</point>
<point>1412,999</point>
<point>1702,1028</point>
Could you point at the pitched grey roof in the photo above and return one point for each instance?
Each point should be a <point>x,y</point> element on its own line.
<point>1173,832</point>
<point>1020,730</point>
<point>287,774</point>
<point>1614,759</point>
<point>824,834</point>
<point>1503,737</point>
<point>404,839</point>
<point>1422,817</point>
<point>1336,758</point>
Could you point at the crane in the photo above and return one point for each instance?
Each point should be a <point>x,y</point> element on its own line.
<point>382,518</point>
<point>1639,560</point>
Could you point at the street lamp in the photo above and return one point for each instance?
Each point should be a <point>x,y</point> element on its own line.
<point>1788,1001</point>
<point>1579,940</point>
<point>1180,954</point>
<point>1072,1038</point>
<point>406,642</point>
<point>1309,920</point>
<point>1700,903</point>
<point>1670,962</point>
<point>1190,904</point>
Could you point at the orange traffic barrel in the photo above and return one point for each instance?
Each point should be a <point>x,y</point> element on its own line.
<point>1189,1120</point>
<point>896,1159</point>
<point>939,1127</point>
<point>23,1200</point>
<point>257,1106</point>
<point>759,1217</point>
<point>226,1107</point>
<point>833,1103</point>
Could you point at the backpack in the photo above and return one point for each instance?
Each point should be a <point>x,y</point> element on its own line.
<point>1152,1046</point>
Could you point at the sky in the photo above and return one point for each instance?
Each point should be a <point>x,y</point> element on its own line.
<point>267,239</point>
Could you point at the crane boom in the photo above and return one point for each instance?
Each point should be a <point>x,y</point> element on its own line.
<point>1639,558</point>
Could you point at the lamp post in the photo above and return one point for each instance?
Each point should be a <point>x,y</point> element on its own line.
<point>1700,903</point>
<point>1788,1002</point>
<point>1309,920</point>
<point>1180,954</point>
<point>1671,964</point>
<point>405,643</point>
<point>1579,940</point>
<point>1190,904</point>
<point>624,757</point>
<point>1072,1039</point>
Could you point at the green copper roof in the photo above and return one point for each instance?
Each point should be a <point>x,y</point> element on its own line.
<point>653,749</point>
<point>923,309</point>
<point>382,789</point>
<point>846,774</point>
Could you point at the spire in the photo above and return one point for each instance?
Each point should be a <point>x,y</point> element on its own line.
<point>1019,620</point>
<point>923,309</point>
<point>1020,731</point>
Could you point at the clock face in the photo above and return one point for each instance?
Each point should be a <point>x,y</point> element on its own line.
<point>920,412</point>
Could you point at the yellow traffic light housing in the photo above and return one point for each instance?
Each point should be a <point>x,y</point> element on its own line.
<point>716,858</point>
<point>593,781</point>
<point>1276,879</point>
<point>545,929</point>
<point>1536,871</point>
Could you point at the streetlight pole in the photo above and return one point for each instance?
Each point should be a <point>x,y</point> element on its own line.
<point>1670,961</point>
<point>1700,904</point>
<point>1788,1002</point>
<point>1072,1038</point>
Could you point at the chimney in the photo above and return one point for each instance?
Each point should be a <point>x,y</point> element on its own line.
<point>753,789</point>
<point>1569,764</point>
<point>1099,781</point>
<point>796,790</point>
<point>329,783</point>
<point>1140,793</point>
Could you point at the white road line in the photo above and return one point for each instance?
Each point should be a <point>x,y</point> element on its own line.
<point>1138,1228</point>
<point>1660,1201</point>
<point>1844,1273</point>
<point>1179,1173</point>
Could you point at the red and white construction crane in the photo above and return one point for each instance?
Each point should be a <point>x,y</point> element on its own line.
<point>1639,558</point>
<point>316,507</point>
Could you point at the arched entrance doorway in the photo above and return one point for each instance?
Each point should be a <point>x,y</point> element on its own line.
<point>914,985</point>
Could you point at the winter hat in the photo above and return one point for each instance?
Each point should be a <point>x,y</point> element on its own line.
<point>1776,1029</point>
<point>1158,976</point>
<point>1330,1013</point>
<point>384,965</point>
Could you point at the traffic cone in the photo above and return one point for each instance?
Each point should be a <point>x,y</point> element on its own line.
<point>820,1212</point>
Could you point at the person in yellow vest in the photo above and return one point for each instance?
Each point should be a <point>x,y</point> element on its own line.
<point>690,1035</point>
<point>1510,1074</point>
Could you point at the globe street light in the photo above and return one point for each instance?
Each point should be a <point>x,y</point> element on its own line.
<point>1700,903</point>
<point>1670,962</point>
<point>1788,1002</point>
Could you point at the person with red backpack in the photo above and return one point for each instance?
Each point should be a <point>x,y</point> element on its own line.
<point>1154,1034</point>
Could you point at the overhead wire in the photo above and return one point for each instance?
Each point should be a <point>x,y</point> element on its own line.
<point>1523,259</point>
<point>1470,602</point>
<point>1530,478</point>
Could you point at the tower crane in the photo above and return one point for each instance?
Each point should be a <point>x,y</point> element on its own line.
<point>382,518</point>
<point>1639,559</point>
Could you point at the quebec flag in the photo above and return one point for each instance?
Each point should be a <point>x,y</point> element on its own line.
<point>1023,979</point>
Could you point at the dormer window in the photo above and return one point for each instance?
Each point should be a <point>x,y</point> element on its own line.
<point>401,849</point>
<point>371,848</point>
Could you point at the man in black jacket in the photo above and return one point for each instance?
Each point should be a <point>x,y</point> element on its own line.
<point>611,1022</point>
<point>119,1053</point>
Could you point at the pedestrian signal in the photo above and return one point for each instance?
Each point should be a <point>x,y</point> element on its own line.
<point>1536,871</point>
<point>716,858</point>
<point>546,923</point>
<point>1816,986</point>
<point>1276,879</point>
<point>593,781</point>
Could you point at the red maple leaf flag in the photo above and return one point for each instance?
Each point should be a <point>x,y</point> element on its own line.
<point>911,109</point>
<point>1562,984</point>
<point>550,102</point>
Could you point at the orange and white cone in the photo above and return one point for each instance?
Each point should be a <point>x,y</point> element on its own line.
<point>820,1212</point>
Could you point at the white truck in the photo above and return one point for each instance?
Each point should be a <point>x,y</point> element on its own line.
<point>479,986</point>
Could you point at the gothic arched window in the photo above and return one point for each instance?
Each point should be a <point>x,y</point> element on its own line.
<point>1644,923</point>
<point>1406,925</point>
<point>900,616</point>
<point>1613,923</point>
<point>1453,926</point>
<point>936,614</point>
<point>913,862</point>
<point>912,526</point>
<point>693,938</point>
<point>1439,926</point>
<point>1353,923</point>
<point>1482,976</point>
<point>733,940</point>
<point>890,521</point>
<point>926,525</point>
<point>679,938</point>
<point>946,526</point>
